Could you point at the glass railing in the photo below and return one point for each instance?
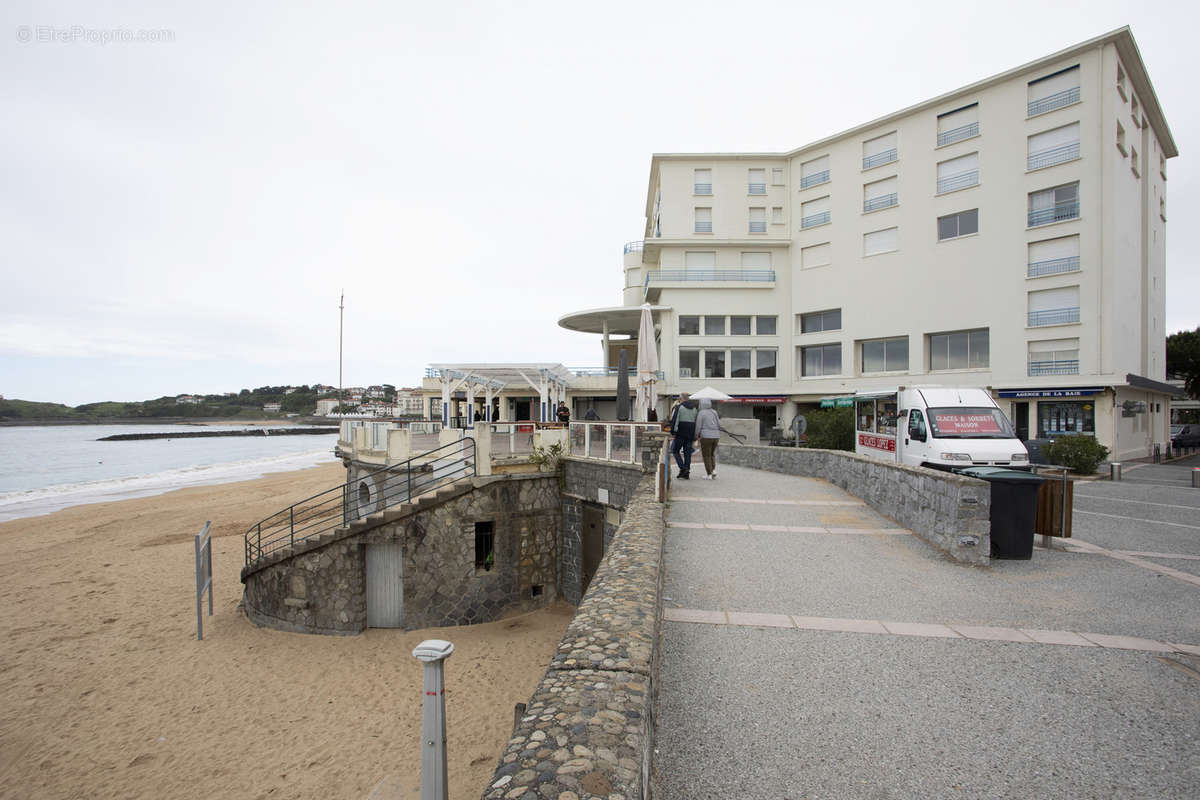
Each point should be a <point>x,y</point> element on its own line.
<point>815,179</point>
<point>958,134</point>
<point>1053,155</point>
<point>883,201</point>
<point>879,159</point>
<point>702,188</point>
<point>1057,100</point>
<point>703,227</point>
<point>1055,213</point>
<point>813,220</point>
<point>671,275</point>
<point>1067,367</point>
<point>962,180</point>
<point>1053,316</point>
<point>609,441</point>
<point>758,227</point>
<point>756,188</point>
<point>634,247</point>
<point>1053,266</point>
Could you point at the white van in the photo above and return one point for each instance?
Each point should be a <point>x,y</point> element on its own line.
<point>935,426</point>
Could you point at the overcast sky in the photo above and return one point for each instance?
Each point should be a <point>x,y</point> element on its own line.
<point>180,215</point>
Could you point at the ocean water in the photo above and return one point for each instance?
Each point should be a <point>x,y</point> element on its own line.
<point>47,468</point>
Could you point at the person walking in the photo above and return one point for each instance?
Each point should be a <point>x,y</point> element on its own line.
<point>563,413</point>
<point>683,425</point>
<point>708,432</point>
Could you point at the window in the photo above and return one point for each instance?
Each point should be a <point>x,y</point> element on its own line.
<point>689,325</point>
<point>689,363</point>
<point>1133,162</point>
<point>1054,91</point>
<point>1053,147</point>
<point>485,555</point>
<point>702,182</point>
<point>1053,256</point>
<point>714,363</point>
<point>1133,110</point>
<point>766,325</point>
<point>959,350</point>
<point>758,220</point>
<point>1054,306</point>
<point>1121,80</point>
<point>821,359</point>
<point>714,325</point>
<point>958,173</point>
<point>1054,419</point>
<point>1121,139</point>
<point>739,363</point>
<point>776,215</point>
<point>815,172</point>
<point>1054,205</point>
<point>756,260</point>
<point>764,363</point>
<point>739,326</point>
<point>777,176</point>
<point>818,321</point>
<point>817,255</point>
<point>963,223</point>
<point>880,194</point>
<point>699,260</point>
<point>885,355</point>
<point>961,123</point>
<point>884,241</point>
<point>880,150</point>
<point>757,181</point>
<point>814,212</point>
<point>704,220</point>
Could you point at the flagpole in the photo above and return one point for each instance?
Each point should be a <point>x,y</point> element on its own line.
<point>341,318</point>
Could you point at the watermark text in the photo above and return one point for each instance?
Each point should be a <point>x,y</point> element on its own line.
<point>75,34</point>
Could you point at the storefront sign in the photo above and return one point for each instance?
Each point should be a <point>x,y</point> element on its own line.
<point>1033,394</point>
<point>837,402</point>
<point>756,400</point>
<point>878,442</point>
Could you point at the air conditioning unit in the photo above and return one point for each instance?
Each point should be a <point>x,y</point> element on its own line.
<point>685,372</point>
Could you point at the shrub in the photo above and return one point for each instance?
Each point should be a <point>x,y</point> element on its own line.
<point>831,428</point>
<point>1081,454</point>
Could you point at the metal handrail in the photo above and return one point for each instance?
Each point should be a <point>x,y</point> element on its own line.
<point>1053,266</point>
<point>813,220</point>
<point>882,201</point>
<point>702,188</point>
<point>338,507</point>
<point>758,227</point>
<point>703,227</point>
<point>1057,100</point>
<point>961,180</point>
<point>1053,155</point>
<point>605,372</point>
<point>1053,316</point>
<point>756,188</point>
<point>1055,213</point>
<point>958,134</point>
<point>815,179</point>
<point>756,275</point>
<point>634,247</point>
<point>1065,367</point>
<point>885,157</point>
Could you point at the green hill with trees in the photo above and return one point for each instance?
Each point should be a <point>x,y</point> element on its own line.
<point>248,403</point>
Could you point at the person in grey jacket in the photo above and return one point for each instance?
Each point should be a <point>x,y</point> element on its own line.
<point>708,431</point>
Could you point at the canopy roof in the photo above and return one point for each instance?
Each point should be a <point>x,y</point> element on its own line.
<point>622,320</point>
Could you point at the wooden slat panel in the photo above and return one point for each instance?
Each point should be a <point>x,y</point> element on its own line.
<point>385,585</point>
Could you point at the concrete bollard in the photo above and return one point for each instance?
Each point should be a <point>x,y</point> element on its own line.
<point>1196,477</point>
<point>433,653</point>
<point>1114,471</point>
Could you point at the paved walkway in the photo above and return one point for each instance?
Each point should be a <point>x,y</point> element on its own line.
<point>814,649</point>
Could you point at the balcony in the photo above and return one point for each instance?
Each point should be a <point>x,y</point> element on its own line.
<point>1053,266</point>
<point>1057,100</point>
<point>1053,155</point>
<point>702,188</point>
<point>758,227</point>
<point>756,188</point>
<point>1066,367</point>
<point>633,247</point>
<point>730,278</point>
<point>879,159</point>
<point>883,201</point>
<point>813,220</point>
<point>704,227</point>
<point>1053,316</point>
<point>815,179</point>
<point>958,134</point>
<point>963,180</point>
<point>1055,213</point>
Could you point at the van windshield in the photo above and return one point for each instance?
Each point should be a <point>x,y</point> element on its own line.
<point>969,423</point>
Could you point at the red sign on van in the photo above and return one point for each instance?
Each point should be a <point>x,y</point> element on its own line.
<point>969,424</point>
<point>877,442</point>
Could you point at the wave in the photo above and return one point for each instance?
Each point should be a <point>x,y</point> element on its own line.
<point>47,500</point>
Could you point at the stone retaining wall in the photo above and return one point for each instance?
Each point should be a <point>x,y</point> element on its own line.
<point>950,512</point>
<point>588,727</point>
<point>582,480</point>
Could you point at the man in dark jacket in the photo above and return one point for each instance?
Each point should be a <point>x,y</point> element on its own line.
<point>683,425</point>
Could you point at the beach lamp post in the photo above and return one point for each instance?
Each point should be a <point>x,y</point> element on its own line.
<point>433,653</point>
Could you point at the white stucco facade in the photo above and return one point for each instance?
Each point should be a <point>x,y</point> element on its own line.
<point>1008,235</point>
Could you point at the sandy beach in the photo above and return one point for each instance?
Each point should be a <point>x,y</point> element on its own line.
<point>107,694</point>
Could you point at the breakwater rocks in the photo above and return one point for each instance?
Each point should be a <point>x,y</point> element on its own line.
<point>308,431</point>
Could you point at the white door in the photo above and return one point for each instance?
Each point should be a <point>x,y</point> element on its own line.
<point>912,439</point>
<point>385,585</point>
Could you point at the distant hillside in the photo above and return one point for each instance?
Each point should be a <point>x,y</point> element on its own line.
<point>246,403</point>
<point>24,409</point>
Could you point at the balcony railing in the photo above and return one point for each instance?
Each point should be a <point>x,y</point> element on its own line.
<point>1055,213</point>
<point>1053,316</point>
<point>634,247</point>
<point>958,134</point>
<point>1053,266</point>
<point>702,188</point>
<point>609,441</point>
<point>882,201</point>
<point>963,180</point>
<point>758,227</point>
<point>886,157</point>
<point>1053,155</point>
<point>1057,100</point>
<point>605,372</point>
<point>813,220</point>
<point>1070,367</point>
<point>815,179</point>
<point>672,275</point>
<point>703,227</point>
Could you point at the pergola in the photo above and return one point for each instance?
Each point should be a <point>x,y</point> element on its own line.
<point>550,381</point>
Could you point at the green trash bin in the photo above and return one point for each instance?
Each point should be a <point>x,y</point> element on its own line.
<point>1014,509</point>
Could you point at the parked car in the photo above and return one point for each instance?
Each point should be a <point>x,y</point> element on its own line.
<point>1185,436</point>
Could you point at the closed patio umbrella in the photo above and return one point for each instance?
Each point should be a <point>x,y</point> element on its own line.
<point>647,366</point>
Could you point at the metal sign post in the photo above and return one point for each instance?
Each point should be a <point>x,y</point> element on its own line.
<point>433,653</point>
<point>203,577</point>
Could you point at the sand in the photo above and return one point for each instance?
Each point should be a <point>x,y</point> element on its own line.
<point>106,693</point>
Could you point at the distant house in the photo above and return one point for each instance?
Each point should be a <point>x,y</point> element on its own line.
<point>326,407</point>
<point>374,392</point>
<point>290,389</point>
<point>409,403</point>
<point>271,408</point>
<point>188,399</point>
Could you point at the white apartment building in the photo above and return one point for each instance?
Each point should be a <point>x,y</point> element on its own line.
<point>1009,235</point>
